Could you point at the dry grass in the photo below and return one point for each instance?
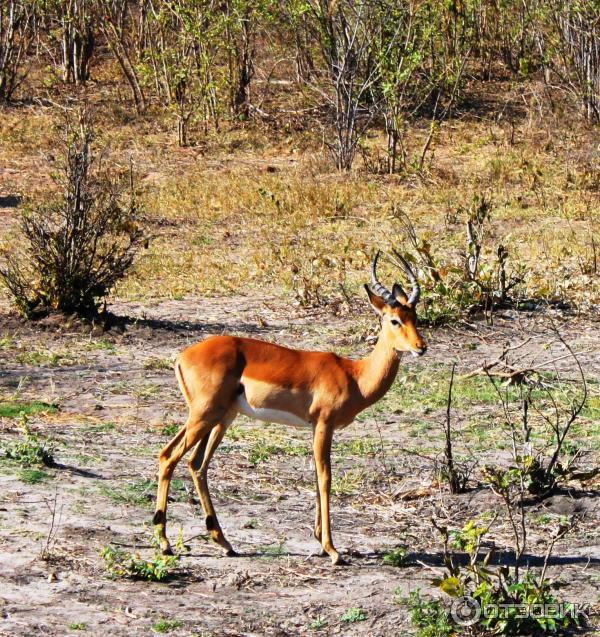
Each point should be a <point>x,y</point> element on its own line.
<point>293,227</point>
<point>252,209</point>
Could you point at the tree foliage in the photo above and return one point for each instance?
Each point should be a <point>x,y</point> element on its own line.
<point>362,63</point>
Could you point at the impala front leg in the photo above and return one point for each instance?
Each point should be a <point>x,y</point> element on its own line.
<point>318,532</point>
<point>322,451</point>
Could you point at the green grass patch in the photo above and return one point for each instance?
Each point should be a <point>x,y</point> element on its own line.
<point>275,550</point>
<point>7,342</point>
<point>398,556</point>
<point>34,476</point>
<point>100,428</point>
<point>101,344</point>
<point>262,451</point>
<point>348,482</point>
<point>167,625</point>
<point>591,409</point>
<point>359,447</point>
<point>266,442</point>
<point>15,409</point>
<point>45,358</point>
<point>139,493</point>
<point>170,428</point>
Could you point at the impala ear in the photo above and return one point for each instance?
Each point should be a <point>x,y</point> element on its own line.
<point>377,303</point>
<point>399,293</point>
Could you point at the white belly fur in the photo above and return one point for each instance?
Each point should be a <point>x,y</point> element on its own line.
<point>268,415</point>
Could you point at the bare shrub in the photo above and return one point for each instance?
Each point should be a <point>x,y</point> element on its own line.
<point>78,245</point>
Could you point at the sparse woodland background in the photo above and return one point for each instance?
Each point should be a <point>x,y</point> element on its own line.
<point>288,139</point>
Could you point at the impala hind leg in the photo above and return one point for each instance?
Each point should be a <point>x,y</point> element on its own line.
<point>322,450</point>
<point>198,466</point>
<point>168,458</point>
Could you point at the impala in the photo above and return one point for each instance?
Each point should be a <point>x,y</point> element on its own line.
<point>224,376</point>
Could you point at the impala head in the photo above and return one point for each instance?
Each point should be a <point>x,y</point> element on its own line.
<point>397,310</point>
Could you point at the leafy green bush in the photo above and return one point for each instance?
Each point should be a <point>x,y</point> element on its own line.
<point>528,592</point>
<point>508,591</point>
<point>121,564</point>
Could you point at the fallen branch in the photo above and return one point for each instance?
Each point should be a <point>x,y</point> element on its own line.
<point>510,372</point>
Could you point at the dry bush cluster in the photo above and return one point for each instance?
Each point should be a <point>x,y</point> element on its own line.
<point>75,246</point>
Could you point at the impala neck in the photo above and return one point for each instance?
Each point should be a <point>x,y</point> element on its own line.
<point>377,372</point>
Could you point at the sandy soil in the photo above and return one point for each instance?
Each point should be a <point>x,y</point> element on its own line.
<point>116,394</point>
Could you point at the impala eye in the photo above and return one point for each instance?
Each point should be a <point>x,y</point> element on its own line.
<point>395,322</point>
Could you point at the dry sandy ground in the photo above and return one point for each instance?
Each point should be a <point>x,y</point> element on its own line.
<point>116,394</point>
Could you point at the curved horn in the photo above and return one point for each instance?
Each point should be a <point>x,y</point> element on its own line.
<point>379,289</point>
<point>416,288</point>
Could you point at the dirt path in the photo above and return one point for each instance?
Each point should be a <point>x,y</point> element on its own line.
<point>118,402</point>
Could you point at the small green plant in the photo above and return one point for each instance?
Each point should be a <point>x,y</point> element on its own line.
<point>78,626</point>
<point>30,450</point>
<point>121,564</point>
<point>397,556</point>
<point>170,428</point>
<point>318,623</point>
<point>531,593</point>
<point>428,616</point>
<point>167,625</point>
<point>504,588</point>
<point>353,615</point>
<point>180,545</point>
<point>469,537</point>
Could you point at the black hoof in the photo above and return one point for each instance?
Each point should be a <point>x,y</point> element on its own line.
<point>168,551</point>
<point>232,553</point>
